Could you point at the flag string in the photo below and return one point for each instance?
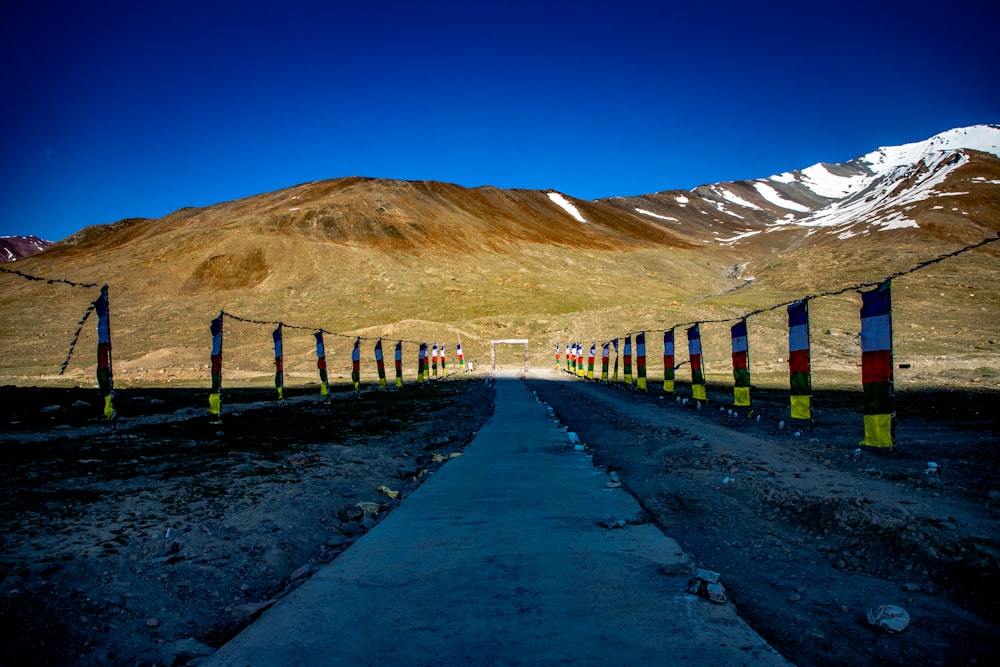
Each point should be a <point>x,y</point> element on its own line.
<point>249,320</point>
<point>50,281</point>
<point>850,288</point>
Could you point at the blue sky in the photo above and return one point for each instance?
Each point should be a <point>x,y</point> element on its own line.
<point>129,109</point>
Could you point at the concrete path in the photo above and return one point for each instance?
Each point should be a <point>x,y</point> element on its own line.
<point>500,559</point>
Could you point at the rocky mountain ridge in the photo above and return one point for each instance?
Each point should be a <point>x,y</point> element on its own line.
<point>13,248</point>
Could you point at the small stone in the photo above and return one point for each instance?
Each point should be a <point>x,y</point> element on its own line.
<point>152,622</point>
<point>350,512</point>
<point>794,597</point>
<point>716,593</point>
<point>889,618</point>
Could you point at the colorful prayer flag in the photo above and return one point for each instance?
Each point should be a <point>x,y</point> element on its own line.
<point>640,360</point>
<point>605,354</point>
<point>580,368</point>
<point>627,362</point>
<point>590,361</point>
<point>380,363</point>
<point>557,356</point>
<point>279,366</point>
<point>799,365</point>
<point>215,395</point>
<point>567,349</point>
<point>105,370</point>
<point>876,365</point>
<point>356,365</point>
<point>324,383</point>
<point>444,362</point>
<point>399,363</point>
<point>461,357</point>
<point>741,364</point>
<point>697,372</point>
<point>422,372</point>
<point>668,361</point>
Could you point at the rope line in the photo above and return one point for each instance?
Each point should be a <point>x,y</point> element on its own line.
<point>50,281</point>
<point>851,288</point>
<point>316,329</point>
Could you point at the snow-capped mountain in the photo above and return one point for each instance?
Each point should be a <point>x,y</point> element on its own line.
<point>13,248</point>
<point>876,192</point>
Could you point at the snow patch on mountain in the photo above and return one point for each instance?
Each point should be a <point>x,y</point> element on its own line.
<point>655,215</point>
<point>566,206</point>
<point>774,197</point>
<point>827,184</point>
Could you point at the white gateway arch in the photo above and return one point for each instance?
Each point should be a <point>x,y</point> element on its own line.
<point>507,341</point>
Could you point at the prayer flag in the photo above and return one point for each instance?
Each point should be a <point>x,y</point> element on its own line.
<point>627,363</point>
<point>215,395</point>
<point>566,348</point>
<point>668,361</point>
<point>356,364</point>
<point>461,357</point>
<point>640,360</point>
<point>434,359</point>
<point>557,356</point>
<point>324,383</point>
<point>876,365</point>
<point>697,372</point>
<point>799,371</point>
<point>399,363</point>
<point>380,363</point>
<point>279,366</point>
<point>105,371</point>
<point>614,375</point>
<point>422,373</point>
<point>580,369</point>
<point>741,364</point>
<point>444,362</point>
<point>605,354</point>
<point>590,361</point>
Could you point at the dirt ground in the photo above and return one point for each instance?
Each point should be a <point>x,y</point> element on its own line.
<point>154,544</point>
<point>807,533</point>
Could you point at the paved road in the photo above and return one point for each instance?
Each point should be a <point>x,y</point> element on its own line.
<point>500,558</point>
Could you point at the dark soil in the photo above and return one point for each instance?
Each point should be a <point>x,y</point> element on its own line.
<point>117,546</point>
<point>807,532</point>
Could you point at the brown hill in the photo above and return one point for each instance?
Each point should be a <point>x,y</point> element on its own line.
<point>434,261</point>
